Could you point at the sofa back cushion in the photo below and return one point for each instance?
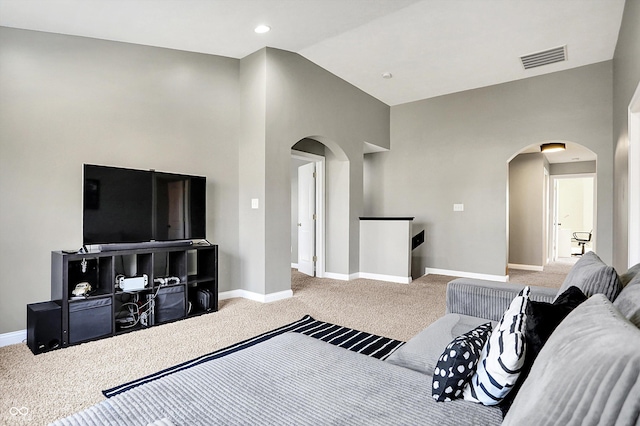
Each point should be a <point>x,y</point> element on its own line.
<point>593,276</point>
<point>587,373</point>
<point>631,273</point>
<point>422,352</point>
<point>628,301</point>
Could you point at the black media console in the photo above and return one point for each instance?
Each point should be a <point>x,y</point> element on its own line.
<point>180,281</point>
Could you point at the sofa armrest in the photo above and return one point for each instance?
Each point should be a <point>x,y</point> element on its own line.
<point>488,299</point>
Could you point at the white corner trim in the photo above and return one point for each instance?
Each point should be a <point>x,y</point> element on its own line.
<point>526,267</point>
<point>256,297</point>
<point>367,275</point>
<point>274,297</point>
<point>13,337</point>
<point>335,276</point>
<point>461,274</point>
<point>389,278</point>
<point>231,294</point>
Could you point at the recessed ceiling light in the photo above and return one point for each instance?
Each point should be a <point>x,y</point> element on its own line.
<point>387,75</point>
<point>261,29</point>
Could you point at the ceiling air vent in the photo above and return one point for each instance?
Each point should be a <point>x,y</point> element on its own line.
<point>546,57</point>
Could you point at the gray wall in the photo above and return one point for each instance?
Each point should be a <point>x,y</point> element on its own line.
<point>70,100</point>
<point>306,101</point>
<point>526,210</point>
<point>252,173</point>
<point>576,168</point>
<point>338,226</point>
<point>66,101</point>
<point>455,149</point>
<point>626,76</point>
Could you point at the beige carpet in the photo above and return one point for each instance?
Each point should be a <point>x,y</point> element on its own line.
<point>56,384</point>
<point>552,276</point>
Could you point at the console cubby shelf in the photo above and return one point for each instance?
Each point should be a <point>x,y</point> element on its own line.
<point>108,310</point>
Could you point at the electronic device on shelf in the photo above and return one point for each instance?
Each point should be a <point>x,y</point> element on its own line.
<point>166,280</point>
<point>132,283</point>
<point>126,321</point>
<point>204,299</point>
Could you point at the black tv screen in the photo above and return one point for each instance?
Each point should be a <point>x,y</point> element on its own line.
<point>130,206</point>
<point>180,207</point>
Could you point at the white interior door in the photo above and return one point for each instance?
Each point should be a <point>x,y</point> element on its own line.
<point>574,211</point>
<point>546,210</point>
<point>306,218</point>
<point>555,226</point>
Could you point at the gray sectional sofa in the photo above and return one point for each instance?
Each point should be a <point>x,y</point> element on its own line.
<point>587,372</point>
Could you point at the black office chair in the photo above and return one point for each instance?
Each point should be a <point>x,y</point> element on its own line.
<point>582,238</point>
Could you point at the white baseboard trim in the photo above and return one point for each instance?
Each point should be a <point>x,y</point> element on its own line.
<point>231,294</point>
<point>341,277</point>
<point>462,274</point>
<point>366,275</point>
<point>256,297</point>
<point>390,278</point>
<point>294,266</point>
<point>274,297</point>
<point>13,337</point>
<point>526,267</point>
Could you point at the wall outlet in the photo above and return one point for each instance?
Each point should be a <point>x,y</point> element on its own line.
<point>458,207</point>
<point>254,203</point>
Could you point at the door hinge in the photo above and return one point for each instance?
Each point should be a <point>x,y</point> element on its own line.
<point>314,175</point>
<point>315,258</point>
<point>314,216</point>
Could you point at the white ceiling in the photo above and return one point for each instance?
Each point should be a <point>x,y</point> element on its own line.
<point>431,47</point>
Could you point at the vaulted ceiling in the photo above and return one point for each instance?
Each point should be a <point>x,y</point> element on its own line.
<point>430,47</point>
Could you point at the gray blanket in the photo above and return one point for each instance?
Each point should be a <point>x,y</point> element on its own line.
<point>291,379</point>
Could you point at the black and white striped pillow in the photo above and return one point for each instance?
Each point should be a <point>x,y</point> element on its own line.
<point>502,357</point>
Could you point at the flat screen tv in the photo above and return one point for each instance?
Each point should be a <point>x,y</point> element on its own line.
<point>135,206</point>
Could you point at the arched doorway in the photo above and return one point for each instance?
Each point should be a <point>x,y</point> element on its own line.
<point>307,212</point>
<point>309,215</point>
<point>541,194</point>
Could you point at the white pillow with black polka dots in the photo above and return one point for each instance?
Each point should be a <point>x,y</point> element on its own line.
<point>458,362</point>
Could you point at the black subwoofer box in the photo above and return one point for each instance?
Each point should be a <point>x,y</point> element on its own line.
<point>44,327</point>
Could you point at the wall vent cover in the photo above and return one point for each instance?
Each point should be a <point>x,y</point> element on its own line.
<point>546,57</point>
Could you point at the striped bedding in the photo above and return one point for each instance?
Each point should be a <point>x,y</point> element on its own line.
<point>289,379</point>
<point>347,338</point>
